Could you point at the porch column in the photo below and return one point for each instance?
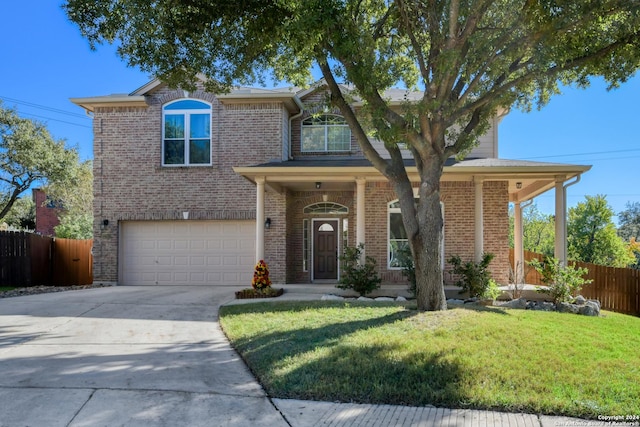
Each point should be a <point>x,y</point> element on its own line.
<point>259,218</point>
<point>360,228</point>
<point>560,251</point>
<point>518,247</point>
<point>479,220</point>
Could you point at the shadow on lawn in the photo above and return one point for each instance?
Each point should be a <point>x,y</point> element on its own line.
<point>320,364</point>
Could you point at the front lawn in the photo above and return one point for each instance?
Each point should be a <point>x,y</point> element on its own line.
<point>511,360</point>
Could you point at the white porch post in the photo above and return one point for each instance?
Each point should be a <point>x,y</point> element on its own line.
<point>479,220</point>
<point>259,218</point>
<point>360,219</point>
<point>560,251</point>
<point>518,247</point>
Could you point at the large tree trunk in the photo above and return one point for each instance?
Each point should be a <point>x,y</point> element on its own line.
<point>423,222</point>
<point>426,243</point>
<point>427,257</point>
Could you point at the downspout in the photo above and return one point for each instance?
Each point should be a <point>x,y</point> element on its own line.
<point>291,119</point>
<point>564,232</point>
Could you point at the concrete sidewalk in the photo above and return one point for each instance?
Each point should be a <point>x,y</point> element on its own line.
<point>155,356</point>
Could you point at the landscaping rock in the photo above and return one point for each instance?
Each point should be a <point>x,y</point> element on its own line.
<point>580,300</point>
<point>565,307</point>
<point>520,303</point>
<point>384,299</point>
<point>591,308</point>
<point>471,300</point>
<point>588,310</point>
<point>547,306</point>
<point>400,298</point>
<point>595,301</point>
<point>331,297</point>
<point>454,302</point>
<point>365,299</point>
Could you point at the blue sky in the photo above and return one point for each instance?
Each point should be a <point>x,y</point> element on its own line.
<point>45,62</point>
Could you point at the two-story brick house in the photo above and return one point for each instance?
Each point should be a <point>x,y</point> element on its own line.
<point>193,188</point>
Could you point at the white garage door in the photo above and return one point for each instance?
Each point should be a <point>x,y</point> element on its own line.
<point>187,252</point>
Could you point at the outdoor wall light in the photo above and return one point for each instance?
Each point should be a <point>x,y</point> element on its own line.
<point>267,223</point>
<point>105,222</point>
<point>318,185</point>
<point>518,185</point>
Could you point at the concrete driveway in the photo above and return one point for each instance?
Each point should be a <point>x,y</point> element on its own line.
<point>124,356</point>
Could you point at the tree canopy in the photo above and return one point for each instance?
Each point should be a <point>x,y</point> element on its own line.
<point>538,230</point>
<point>629,229</point>
<point>467,57</point>
<point>592,236</point>
<point>75,193</point>
<point>28,155</point>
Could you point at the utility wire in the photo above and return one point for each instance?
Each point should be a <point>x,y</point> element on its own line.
<point>44,107</point>
<point>583,154</point>
<point>57,120</point>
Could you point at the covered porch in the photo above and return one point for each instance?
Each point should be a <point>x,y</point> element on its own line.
<point>524,180</point>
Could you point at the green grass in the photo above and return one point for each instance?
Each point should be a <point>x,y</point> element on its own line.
<point>511,360</point>
<point>6,288</point>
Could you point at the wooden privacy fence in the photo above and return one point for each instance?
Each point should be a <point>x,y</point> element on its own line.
<point>617,289</point>
<point>27,259</point>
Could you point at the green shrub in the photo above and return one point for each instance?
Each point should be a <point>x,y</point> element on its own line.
<point>474,276</point>
<point>362,278</point>
<point>405,258</point>
<point>563,282</point>
<point>493,291</point>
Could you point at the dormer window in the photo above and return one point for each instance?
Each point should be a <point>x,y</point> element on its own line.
<point>325,133</point>
<point>186,133</point>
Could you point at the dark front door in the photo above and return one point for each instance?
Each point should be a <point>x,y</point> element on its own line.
<point>325,249</point>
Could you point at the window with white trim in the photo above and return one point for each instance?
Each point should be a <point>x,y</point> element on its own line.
<point>398,240</point>
<point>325,133</point>
<point>186,133</point>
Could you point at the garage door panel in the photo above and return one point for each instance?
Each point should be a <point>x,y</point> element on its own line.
<point>187,252</point>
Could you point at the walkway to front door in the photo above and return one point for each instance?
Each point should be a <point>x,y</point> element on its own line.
<point>325,249</point>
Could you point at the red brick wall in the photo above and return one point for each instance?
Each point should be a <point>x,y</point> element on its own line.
<point>459,226</point>
<point>46,216</point>
<point>131,184</point>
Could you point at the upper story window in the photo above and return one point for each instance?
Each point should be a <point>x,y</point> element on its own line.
<point>186,133</point>
<point>325,133</point>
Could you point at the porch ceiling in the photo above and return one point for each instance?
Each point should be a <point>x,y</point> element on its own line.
<point>526,179</point>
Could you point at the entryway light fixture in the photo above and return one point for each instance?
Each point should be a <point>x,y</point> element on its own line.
<point>518,185</point>
<point>318,185</point>
<point>267,223</point>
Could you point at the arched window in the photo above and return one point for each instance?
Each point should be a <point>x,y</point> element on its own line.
<point>326,208</point>
<point>325,133</point>
<point>186,133</point>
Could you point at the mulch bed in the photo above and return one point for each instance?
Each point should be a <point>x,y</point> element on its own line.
<point>254,293</point>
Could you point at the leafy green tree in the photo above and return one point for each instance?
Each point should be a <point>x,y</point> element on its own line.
<point>469,58</point>
<point>28,154</point>
<point>592,236</point>
<point>629,230</point>
<point>629,220</point>
<point>75,193</point>
<point>22,214</point>
<point>538,230</point>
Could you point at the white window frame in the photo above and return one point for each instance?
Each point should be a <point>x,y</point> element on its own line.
<point>390,211</point>
<point>326,127</point>
<point>187,130</point>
